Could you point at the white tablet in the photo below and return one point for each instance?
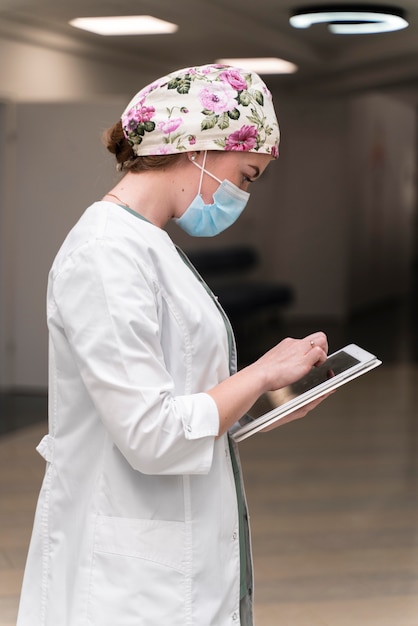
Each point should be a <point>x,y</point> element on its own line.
<point>339,368</point>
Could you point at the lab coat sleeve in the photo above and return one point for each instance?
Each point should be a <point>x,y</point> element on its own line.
<point>109,309</point>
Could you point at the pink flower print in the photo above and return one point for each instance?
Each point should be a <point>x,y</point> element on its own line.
<point>170,125</point>
<point>129,122</point>
<point>166,148</point>
<point>219,98</point>
<point>192,140</point>
<point>274,152</point>
<point>243,139</point>
<point>145,114</point>
<point>208,69</point>
<point>234,78</point>
<point>191,71</point>
<point>146,90</point>
<point>136,115</point>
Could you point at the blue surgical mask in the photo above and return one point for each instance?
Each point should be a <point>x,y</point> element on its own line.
<point>207,220</point>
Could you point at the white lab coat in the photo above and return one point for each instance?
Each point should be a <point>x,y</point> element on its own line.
<point>136,523</point>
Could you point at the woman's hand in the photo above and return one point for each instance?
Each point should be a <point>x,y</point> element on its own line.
<point>283,365</point>
<point>291,359</point>
<point>298,414</point>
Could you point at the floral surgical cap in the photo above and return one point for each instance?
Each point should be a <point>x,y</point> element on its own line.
<point>212,107</point>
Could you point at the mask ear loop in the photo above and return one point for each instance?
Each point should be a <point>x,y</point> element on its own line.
<point>202,171</point>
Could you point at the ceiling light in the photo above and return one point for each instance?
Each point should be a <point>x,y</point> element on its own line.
<point>124,25</point>
<point>351,19</point>
<point>268,65</point>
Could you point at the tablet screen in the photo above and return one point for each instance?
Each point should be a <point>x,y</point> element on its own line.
<point>339,368</point>
<point>335,364</point>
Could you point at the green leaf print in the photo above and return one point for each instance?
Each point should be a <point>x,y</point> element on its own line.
<point>258,97</point>
<point>244,98</point>
<point>234,114</point>
<point>223,121</point>
<point>149,126</point>
<point>209,122</point>
<point>182,85</point>
<point>221,143</point>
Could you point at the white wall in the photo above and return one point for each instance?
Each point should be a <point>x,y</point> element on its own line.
<point>40,69</point>
<point>63,167</point>
<point>383,168</point>
<point>312,207</point>
<point>7,241</point>
<point>37,73</point>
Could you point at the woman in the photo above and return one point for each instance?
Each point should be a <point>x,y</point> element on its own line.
<point>141,518</point>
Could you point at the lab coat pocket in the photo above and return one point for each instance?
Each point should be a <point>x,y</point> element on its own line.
<point>138,573</point>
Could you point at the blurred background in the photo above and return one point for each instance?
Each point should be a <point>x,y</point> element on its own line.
<point>330,233</point>
<point>334,219</point>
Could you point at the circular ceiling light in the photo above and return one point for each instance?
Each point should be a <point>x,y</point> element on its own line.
<point>351,19</point>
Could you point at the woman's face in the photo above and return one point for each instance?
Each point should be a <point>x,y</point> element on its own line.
<point>240,168</point>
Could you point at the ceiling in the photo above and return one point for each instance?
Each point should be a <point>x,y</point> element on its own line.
<point>212,29</point>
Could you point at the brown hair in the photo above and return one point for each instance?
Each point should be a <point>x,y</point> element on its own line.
<point>116,142</point>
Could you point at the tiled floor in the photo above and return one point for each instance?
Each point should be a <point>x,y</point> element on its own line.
<point>333,498</point>
<point>21,470</point>
<point>334,507</point>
